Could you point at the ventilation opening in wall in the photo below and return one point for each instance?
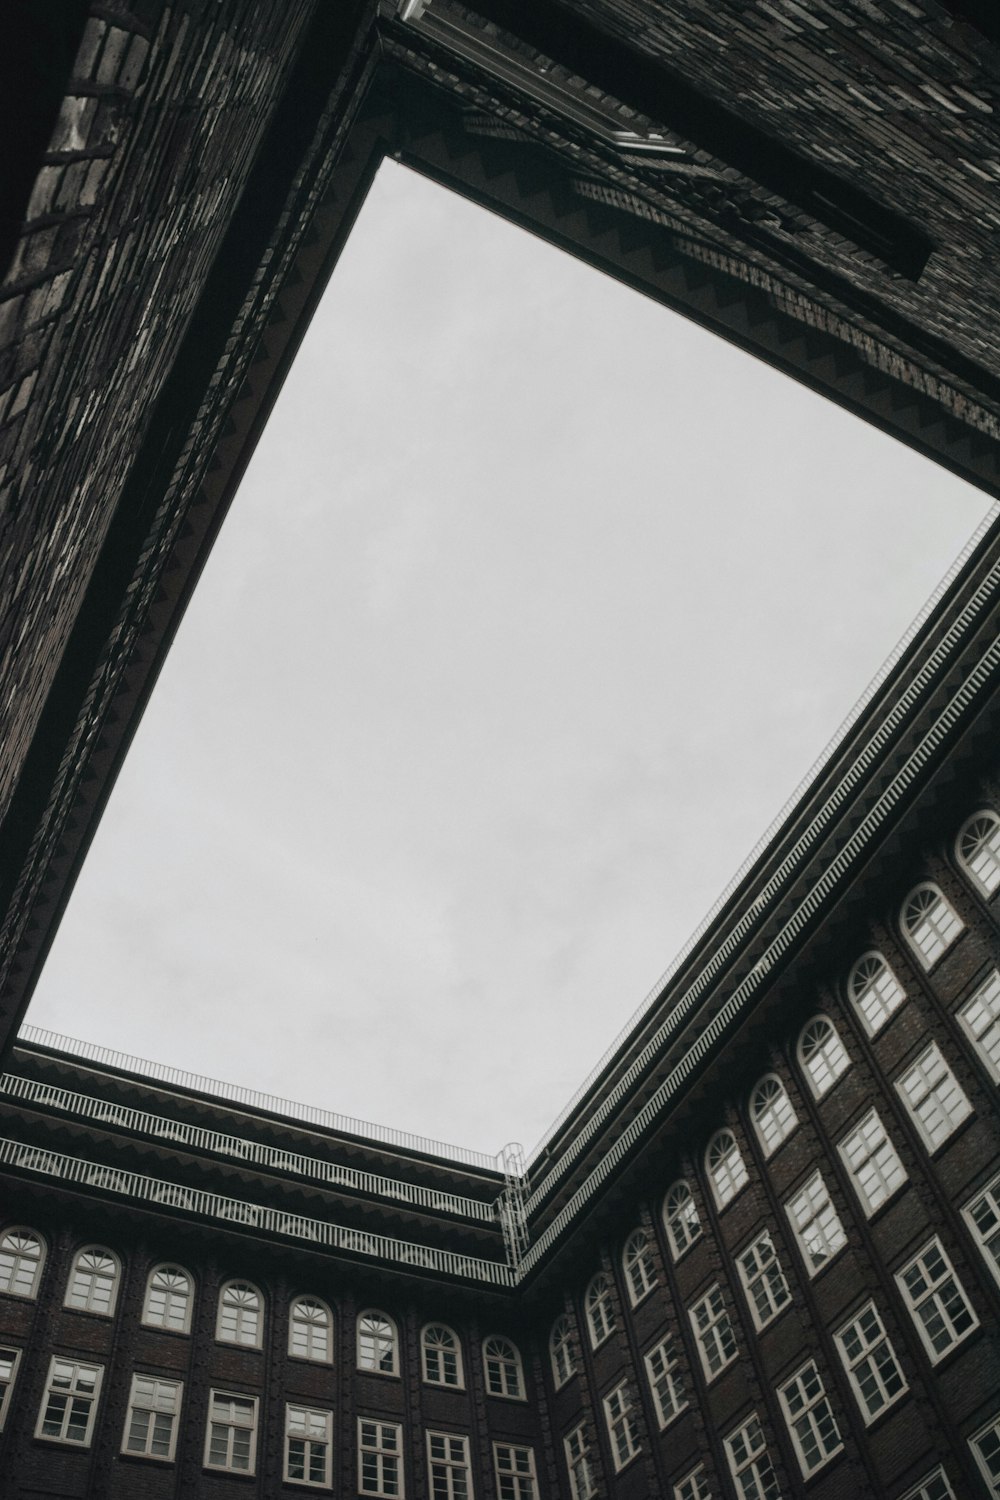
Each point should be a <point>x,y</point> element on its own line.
<point>536,603</point>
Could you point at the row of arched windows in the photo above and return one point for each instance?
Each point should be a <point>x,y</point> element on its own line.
<point>930,925</point>
<point>167,1304</point>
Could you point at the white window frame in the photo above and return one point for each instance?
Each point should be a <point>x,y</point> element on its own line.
<point>310,1324</point>
<point>935,1100</point>
<point>220,1394</point>
<point>308,1438</point>
<point>386,1459</point>
<point>693,1486</point>
<point>637,1266</point>
<point>772,1113</point>
<point>242,1314</point>
<point>156,1403</point>
<point>599,1307</point>
<point>447,1466</point>
<point>870,1362</point>
<point>983,1030</point>
<point>435,1356</point>
<point>714,1332</point>
<point>822,1216</point>
<point>764,1273</point>
<point>979,845</point>
<point>726,1169</point>
<point>20,1258</point>
<point>666,1382</point>
<point>576,1447</point>
<point>872,1163</point>
<point>379,1342</point>
<point>682,1221</point>
<point>923,1491</point>
<point>982,1214</point>
<point>806,1408</point>
<point>516,1480</point>
<point>94,1277</point>
<point>620,1420</point>
<point>874,991</point>
<point>942,1276</point>
<point>562,1353</point>
<point>751,1461</point>
<point>988,1429</point>
<point>9,1353</point>
<point>828,1059</point>
<point>171,1297</point>
<point>503,1362</point>
<point>92,1398</point>
<point>930,927</point>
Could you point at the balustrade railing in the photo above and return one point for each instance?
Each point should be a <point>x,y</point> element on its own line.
<point>271,1157</point>
<point>254,1215</point>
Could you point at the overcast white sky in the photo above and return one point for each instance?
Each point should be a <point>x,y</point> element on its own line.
<point>536,603</point>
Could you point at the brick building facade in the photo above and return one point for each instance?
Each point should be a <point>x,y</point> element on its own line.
<point>758,1256</point>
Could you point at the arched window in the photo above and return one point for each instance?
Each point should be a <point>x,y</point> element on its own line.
<point>240,1320</point>
<point>637,1263</point>
<point>503,1368</point>
<point>726,1167</point>
<point>168,1299</point>
<point>772,1114</point>
<point>599,1309</point>
<point>309,1330</point>
<point>93,1282</point>
<point>822,1054</point>
<point>378,1343</point>
<point>442,1356</point>
<point>22,1255</point>
<point>978,850</point>
<point>680,1215</point>
<point>561,1350</point>
<point>930,923</point>
<point>874,991</point>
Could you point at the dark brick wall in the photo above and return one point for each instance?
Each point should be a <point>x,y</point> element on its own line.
<point>164,112</point>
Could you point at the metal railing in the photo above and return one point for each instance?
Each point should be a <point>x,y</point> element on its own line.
<point>682,1006</point>
<point>273,1157</point>
<point>156,1190</point>
<point>273,1103</point>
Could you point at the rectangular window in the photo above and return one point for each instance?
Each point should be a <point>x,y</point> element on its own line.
<point>714,1332</point>
<point>231,1440</point>
<point>763,1280</point>
<point>448,1466</point>
<point>932,1094</point>
<point>515,1470</point>
<point>581,1475</point>
<point>870,1157</point>
<point>9,1361</point>
<point>932,1487</point>
<point>816,1225</point>
<point>870,1362</point>
<point>380,1459</point>
<point>693,1486</point>
<point>810,1419</point>
<point>666,1381</point>
<point>151,1424</point>
<point>622,1429</point>
<point>308,1446</point>
<point>981,1018</point>
<point>69,1404</point>
<point>746,1453</point>
<point>983,1218</point>
<point>985,1447</point>
<point>936,1300</point>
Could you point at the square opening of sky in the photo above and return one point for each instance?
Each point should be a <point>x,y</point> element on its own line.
<point>535,604</point>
